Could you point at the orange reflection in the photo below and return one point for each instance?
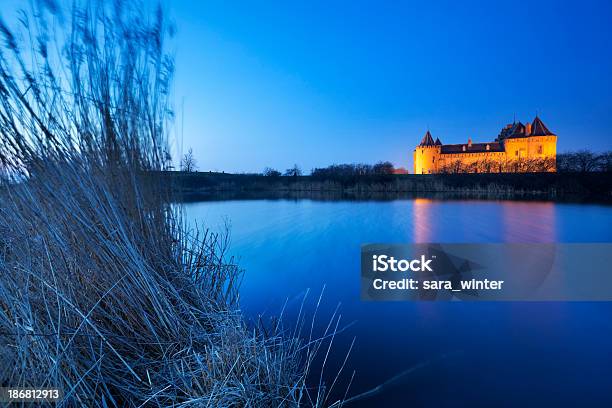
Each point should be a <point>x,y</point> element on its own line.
<point>421,220</point>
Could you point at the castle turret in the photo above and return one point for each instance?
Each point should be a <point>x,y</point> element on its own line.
<point>426,155</point>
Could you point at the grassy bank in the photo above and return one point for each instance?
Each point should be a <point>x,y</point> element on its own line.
<point>597,186</point>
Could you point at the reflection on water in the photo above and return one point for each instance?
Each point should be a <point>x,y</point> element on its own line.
<point>519,225</point>
<point>481,221</point>
<point>422,224</point>
<point>504,353</point>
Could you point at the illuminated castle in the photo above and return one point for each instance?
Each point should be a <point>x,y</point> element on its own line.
<point>518,147</point>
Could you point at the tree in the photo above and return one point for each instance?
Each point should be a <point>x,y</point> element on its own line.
<point>455,166</point>
<point>294,171</point>
<point>383,168</point>
<point>587,161</point>
<point>188,162</point>
<point>486,166</point>
<point>270,172</point>
<point>606,162</point>
<point>583,161</point>
<point>565,162</point>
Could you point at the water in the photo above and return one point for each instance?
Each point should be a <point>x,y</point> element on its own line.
<point>478,354</point>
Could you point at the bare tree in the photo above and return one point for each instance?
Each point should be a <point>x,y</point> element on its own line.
<point>188,162</point>
<point>295,171</point>
<point>455,167</point>
<point>565,162</point>
<point>586,161</point>
<point>487,166</point>
<point>270,172</point>
<point>472,167</point>
<point>521,165</point>
<point>383,168</point>
<point>606,161</point>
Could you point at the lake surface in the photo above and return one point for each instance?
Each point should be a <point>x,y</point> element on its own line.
<point>475,354</point>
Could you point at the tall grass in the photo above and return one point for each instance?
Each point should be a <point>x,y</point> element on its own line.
<point>104,293</point>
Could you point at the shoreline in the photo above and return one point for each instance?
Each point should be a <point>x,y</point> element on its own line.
<point>572,187</point>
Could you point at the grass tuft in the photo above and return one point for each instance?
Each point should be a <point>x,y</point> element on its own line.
<point>104,292</point>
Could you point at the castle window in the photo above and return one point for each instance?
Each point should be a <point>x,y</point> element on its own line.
<point>540,149</point>
<point>516,152</point>
<point>488,147</point>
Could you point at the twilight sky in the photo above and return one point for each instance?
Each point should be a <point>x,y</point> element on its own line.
<point>317,82</point>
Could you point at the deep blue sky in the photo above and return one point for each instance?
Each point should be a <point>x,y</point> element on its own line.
<point>268,84</point>
<point>316,83</point>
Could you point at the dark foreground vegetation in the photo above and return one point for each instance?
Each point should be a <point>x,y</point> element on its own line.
<point>104,293</point>
<point>580,186</point>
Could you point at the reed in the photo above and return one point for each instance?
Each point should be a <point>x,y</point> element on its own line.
<point>104,291</point>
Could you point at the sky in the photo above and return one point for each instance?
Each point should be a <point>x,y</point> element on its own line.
<point>315,83</point>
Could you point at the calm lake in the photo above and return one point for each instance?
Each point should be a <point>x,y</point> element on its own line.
<point>482,354</point>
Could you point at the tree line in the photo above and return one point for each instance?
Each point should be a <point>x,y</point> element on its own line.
<point>574,161</point>
<point>584,161</point>
<point>336,170</point>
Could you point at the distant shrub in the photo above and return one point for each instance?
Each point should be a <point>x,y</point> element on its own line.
<point>270,172</point>
<point>295,171</point>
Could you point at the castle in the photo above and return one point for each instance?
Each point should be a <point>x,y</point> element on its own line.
<point>517,148</point>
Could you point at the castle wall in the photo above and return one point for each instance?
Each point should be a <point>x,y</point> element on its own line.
<point>429,159</point>
<point>466,159</point>
<point>531,147</point>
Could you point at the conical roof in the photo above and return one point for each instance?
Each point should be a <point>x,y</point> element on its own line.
<point>538,128</point>
<point>438,142</point>
<point>427,140</point>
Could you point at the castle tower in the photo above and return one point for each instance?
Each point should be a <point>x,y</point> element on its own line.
<point>542,142</point>
<point>425,156</point>
<point>531,142</point>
